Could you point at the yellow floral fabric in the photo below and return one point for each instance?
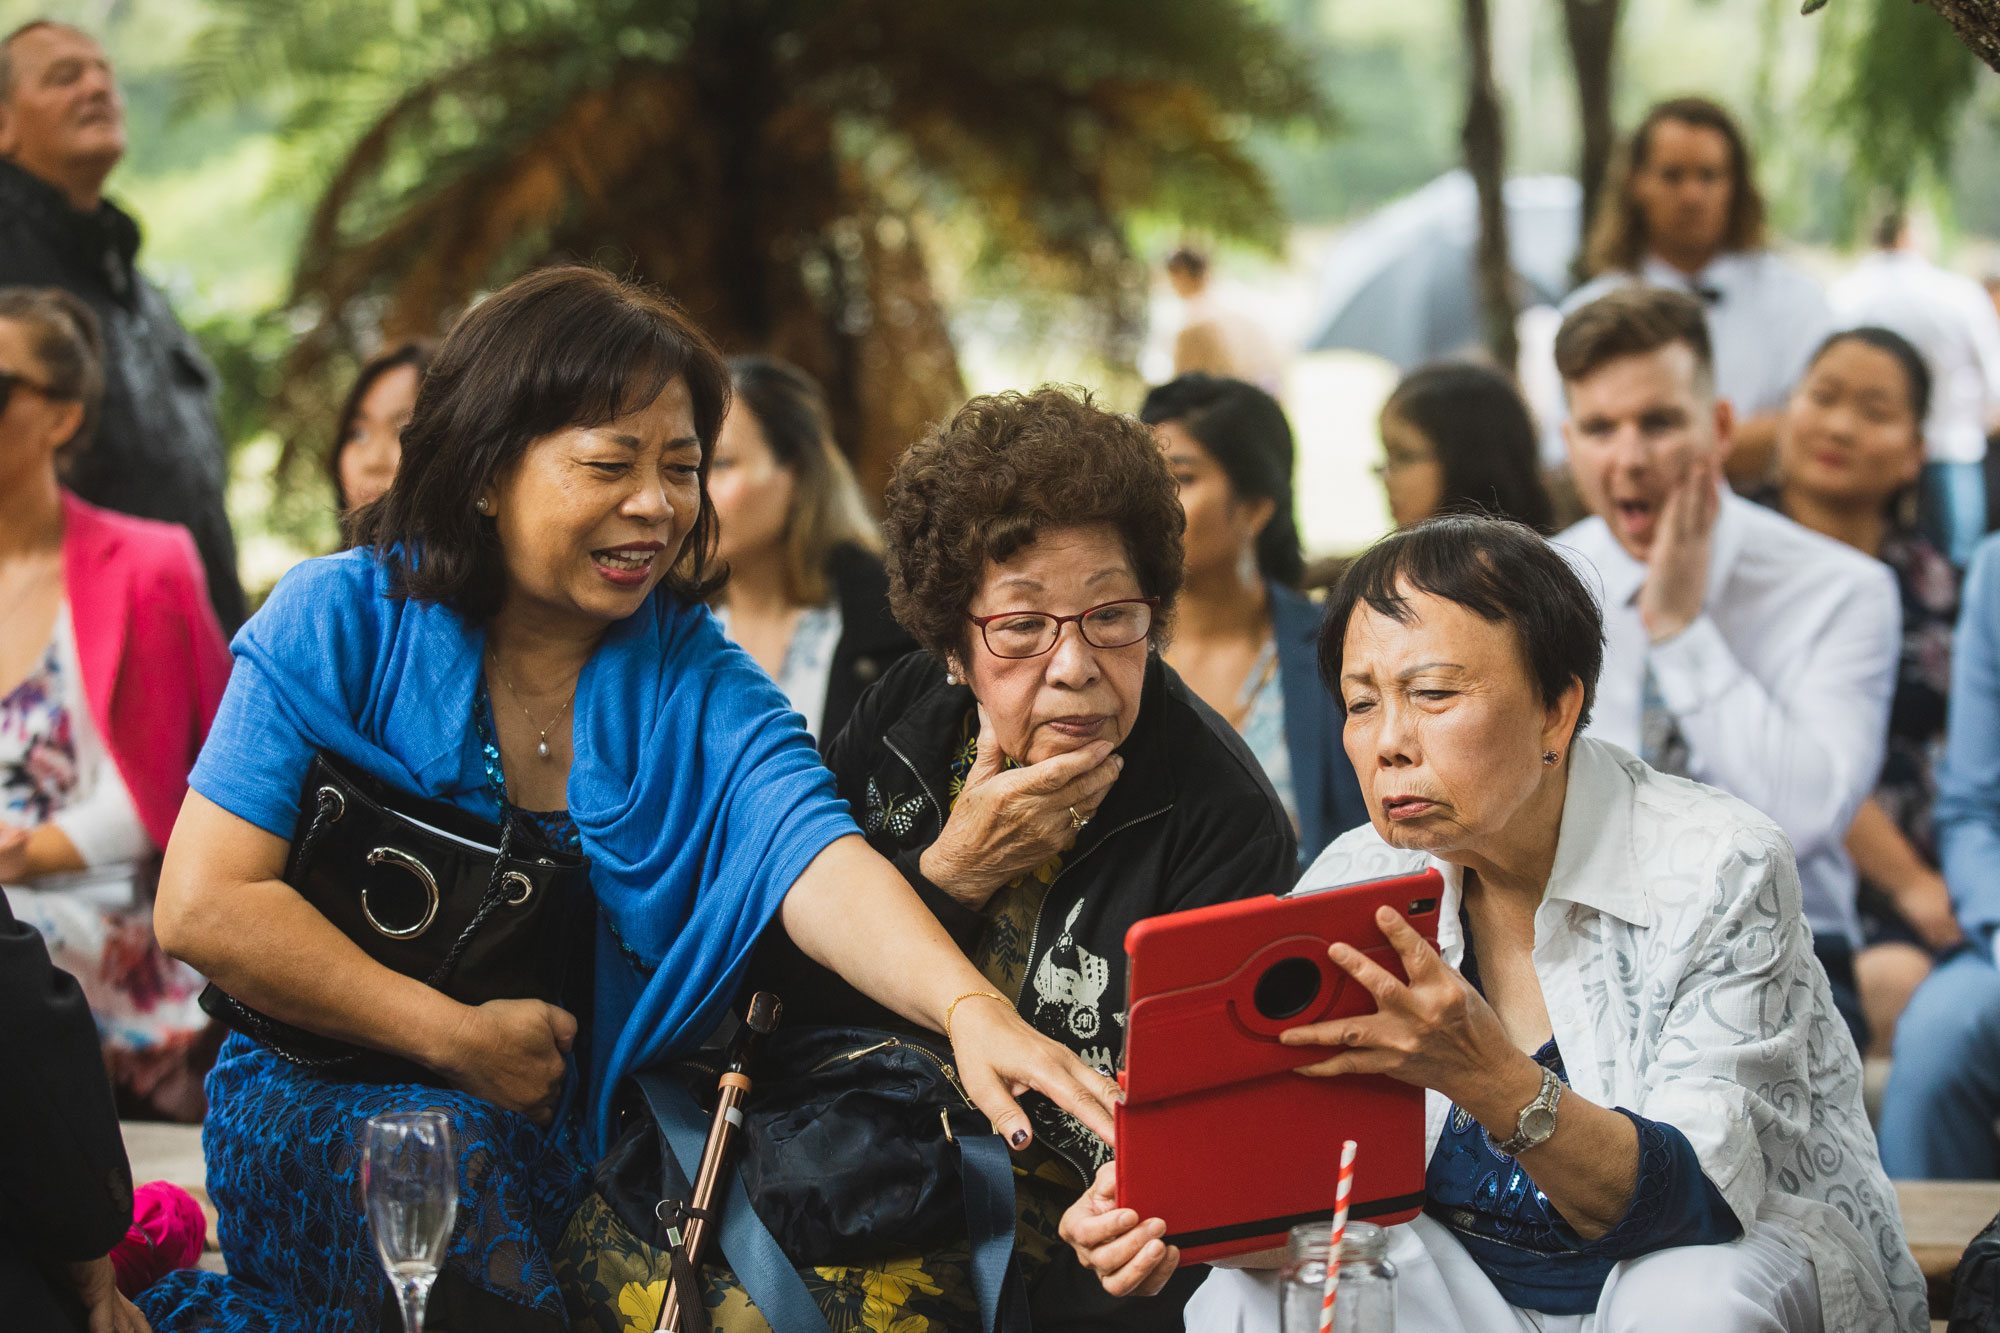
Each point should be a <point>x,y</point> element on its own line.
<point>613,1282</point>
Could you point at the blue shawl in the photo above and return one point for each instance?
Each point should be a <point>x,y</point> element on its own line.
<point>698,794</point>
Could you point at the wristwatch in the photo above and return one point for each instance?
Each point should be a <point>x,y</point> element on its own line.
<point>1538,1119</point>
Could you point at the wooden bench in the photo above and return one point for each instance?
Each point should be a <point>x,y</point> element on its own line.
<point>1941,1217</point>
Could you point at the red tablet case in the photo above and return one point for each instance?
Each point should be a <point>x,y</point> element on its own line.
<point>1217,1135</point>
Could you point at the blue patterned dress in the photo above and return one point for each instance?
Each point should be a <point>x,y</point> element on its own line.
<point>283,1150</point>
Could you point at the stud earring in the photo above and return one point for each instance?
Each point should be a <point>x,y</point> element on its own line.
<point>1549,757</point>
<point>483,505</point>
<point>950,679</point>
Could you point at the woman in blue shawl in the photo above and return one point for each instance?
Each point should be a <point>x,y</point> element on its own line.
<point>521,632</point>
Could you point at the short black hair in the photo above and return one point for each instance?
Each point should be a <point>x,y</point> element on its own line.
<point>1916,372</point>
<point>1479,428</point>
<point>1245,432</point>
<point>565,346</point>
<point>1495,568</point>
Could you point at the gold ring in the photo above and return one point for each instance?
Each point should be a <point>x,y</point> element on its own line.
<point>1077,821</point>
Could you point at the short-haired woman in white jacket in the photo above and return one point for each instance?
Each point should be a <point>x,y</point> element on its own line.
<point>1625,945</point>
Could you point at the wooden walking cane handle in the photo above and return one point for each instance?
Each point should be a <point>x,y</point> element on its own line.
<point>723,1132</point>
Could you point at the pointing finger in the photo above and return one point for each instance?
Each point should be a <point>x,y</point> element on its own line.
<point>1412,948</point>
<point>987,1092</point>
<point>1373,977</point>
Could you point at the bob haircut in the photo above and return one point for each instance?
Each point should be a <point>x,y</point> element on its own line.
<point>1475,422</point>
<point>1499,570</point>
<point>416,354</point>
<point>1006,469</point>
<point>1618,235</point>
<point>827,509</point>
<point>1245,432</point>
<point>562,347</point>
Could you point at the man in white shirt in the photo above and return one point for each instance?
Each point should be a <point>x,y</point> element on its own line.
<point>1685,214</point>
<point>1951,321</point>
<point>1741,650</point>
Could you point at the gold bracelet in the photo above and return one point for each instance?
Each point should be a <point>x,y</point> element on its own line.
<point>969,995</point>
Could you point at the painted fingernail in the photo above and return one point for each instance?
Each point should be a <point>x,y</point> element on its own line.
<point>1020,1138</point>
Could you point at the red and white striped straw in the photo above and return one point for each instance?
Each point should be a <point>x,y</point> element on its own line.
<point>1340,1193</point>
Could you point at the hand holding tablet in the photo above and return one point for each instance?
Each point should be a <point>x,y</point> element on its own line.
<point>1220,1143</point>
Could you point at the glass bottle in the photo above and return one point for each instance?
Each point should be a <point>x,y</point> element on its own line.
<point>1367,1298</point>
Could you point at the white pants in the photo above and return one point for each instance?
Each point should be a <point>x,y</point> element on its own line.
<point>1760,1283</point>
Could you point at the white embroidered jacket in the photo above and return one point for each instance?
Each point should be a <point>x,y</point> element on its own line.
<point>1674,957</point>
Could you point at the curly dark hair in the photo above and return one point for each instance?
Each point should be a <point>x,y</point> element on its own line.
<point>1007,468</point>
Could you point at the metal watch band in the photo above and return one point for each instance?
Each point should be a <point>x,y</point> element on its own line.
<point>1546,1100</point>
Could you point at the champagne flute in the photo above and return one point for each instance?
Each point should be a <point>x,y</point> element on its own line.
<point>409,1183</point>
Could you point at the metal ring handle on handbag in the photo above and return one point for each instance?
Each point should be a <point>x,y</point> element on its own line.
<point>397,857</point>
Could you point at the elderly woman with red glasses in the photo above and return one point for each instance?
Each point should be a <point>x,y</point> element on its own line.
<point>1038,773</point>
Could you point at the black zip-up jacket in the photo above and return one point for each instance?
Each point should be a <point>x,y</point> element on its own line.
<point>65,1187</point>
<point>157,451</point>
<point>1192,820</point>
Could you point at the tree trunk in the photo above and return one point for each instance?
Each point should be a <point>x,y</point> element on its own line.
<point>1592,29</point>
<point>1977,23</point>
<point>1484,139</point>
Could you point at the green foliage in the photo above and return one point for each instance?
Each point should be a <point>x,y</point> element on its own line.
<point>745,152</point>
<point>1896,80</point>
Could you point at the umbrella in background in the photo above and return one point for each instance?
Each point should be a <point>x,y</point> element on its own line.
<point>1401,284</point>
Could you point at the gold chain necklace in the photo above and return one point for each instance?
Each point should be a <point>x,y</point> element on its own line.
<point>542,747</point>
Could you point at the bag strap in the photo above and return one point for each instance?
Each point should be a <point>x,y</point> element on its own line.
<point>766,1274</point>
<point>489,903</point>
<point>328,805</point>
<point>987,1169</point>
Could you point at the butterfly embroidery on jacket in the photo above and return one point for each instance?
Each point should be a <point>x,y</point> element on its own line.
<point>898,816</point>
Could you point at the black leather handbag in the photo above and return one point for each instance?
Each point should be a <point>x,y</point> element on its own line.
<point>477,910</point>
<point>850,1143</point>
<point>859,1146</point>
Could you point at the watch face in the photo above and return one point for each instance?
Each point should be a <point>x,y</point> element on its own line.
<point>1538,1123</point>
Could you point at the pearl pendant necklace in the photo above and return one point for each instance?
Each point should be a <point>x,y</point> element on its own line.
<point>542,745</point>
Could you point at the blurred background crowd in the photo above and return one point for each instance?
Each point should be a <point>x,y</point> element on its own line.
<point>916,209</point>
<point>1322,247</point>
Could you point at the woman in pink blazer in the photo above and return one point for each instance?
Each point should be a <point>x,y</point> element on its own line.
<point>111,666</point>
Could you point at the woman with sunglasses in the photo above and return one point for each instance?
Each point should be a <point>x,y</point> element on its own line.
<point>111,666</point>
<point>1038,773</point>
